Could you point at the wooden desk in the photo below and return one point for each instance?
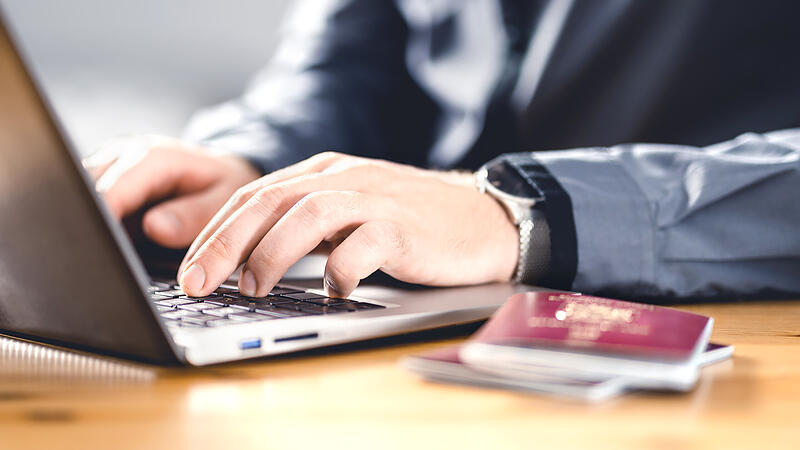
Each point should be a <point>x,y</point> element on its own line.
<point>357,396</point>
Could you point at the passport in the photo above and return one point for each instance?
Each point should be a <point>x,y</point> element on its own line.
<point>591,339</point>
<point>445,366</point>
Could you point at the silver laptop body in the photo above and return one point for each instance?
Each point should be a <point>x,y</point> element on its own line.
<point>70,276</point>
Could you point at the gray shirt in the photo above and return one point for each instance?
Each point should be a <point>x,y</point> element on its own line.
<point>453,83</point>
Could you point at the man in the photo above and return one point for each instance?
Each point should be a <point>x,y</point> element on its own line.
<point>452,84</point>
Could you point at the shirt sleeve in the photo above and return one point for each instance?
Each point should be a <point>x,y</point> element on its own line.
<point>338,81</point>
<point>672,222</point>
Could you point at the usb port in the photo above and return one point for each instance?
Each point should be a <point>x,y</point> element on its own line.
<point>250,344</point>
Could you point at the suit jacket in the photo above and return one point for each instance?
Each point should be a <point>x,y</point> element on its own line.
<point>453,83</point>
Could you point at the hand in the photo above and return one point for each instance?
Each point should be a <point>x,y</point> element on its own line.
<point>416,225</point>
<point>187,184</point>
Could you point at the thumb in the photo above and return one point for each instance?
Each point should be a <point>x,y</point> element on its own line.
<point>175,223</point>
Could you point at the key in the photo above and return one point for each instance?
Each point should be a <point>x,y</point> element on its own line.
<point>172,293</point>
<point>280,290</point>
<point>247,299</point>
<point>327,301</point>
<point>224,311</point>
<point>202,306</point>
<point>249,316</point>
<point>197,320</point>
<point>304,296</point>
<point>221,322</point>
<point>178,314</point>
<point>308,308</point>
<point>317,309</point>
<point>224,290</point>
<point>173,302</point>
<point>278,312</point>
<point>232,302</point>
<point>159,285</point>
<point>201,299</point>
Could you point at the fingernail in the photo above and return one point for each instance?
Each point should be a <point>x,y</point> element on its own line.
<point>193,278</point>
<point>247,284</point>
<point>331,290</point>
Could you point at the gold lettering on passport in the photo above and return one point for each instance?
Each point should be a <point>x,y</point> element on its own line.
<point>587,317</point>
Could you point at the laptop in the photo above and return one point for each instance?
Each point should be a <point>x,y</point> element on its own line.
<point>71,276</point>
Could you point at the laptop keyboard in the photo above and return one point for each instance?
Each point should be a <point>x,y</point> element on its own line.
<point>227,306</point>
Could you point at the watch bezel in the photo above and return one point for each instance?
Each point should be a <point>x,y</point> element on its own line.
<point>485,185</point>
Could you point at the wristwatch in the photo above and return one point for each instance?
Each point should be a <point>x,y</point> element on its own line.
<point>524,204</point>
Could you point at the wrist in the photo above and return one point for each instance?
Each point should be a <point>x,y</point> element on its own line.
<point>501,245</point>
<point>522,201</point>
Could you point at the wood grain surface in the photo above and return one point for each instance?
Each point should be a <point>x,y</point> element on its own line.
<point>357,396</point>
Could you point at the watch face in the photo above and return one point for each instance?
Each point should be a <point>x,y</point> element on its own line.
<point>508,180</point>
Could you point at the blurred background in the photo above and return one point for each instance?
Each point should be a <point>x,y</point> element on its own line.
<point>117,67</point>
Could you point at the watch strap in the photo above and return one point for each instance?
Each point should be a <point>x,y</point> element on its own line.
<point>534,248</point>
<point>557,208</point>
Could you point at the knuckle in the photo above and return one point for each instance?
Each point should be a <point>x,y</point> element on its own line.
<point>319,206</point>
<point>358,168</point>
<point>313,207</point>
<point>326,156</point>
<point>352,167</point>
<point>385,234</point>
<point>397,239</point>
<point>221,246</point>
<point>267,200</point>
<point>349,200</point>
<point>241,195</point>
<point>330,154</point>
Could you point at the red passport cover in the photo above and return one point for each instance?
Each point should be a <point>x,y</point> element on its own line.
<point>582,323</point>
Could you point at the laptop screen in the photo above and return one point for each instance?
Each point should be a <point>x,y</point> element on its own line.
<point>63,276</point>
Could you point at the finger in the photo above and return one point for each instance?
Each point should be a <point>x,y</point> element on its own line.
<point>241,197</point>
<point>369,248</point>
<point>232,243</point>
<point>96,169</point>
<point>314,164</point>
<point>133,180</point>
<point>176,223</point>
<point>309,222</point>
<point>137,179</point>
<point>101,160</point>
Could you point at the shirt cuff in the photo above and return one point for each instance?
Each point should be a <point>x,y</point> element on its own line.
<point>611,220</point>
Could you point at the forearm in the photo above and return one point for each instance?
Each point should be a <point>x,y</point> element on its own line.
<point>671,221</point>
